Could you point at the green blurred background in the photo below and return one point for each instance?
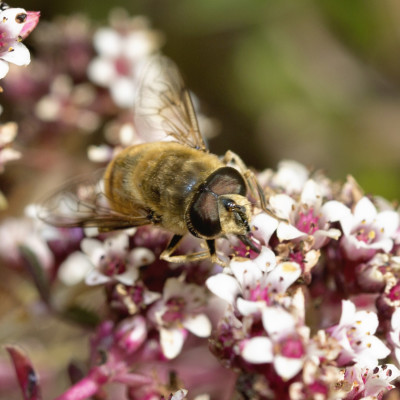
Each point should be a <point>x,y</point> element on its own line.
<point>315,81</point>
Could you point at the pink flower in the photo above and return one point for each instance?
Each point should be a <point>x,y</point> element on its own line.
<point>306,216</point>
<point>285,346</point>
<point>180,312</point>
<point>107,261</point>
<point>255,284</point>
<point>394,334</point>
<point>355,334</point>
<point>365,230</point>
<point>373,382</point>
<point>15,25</point>
<point>120,53</point>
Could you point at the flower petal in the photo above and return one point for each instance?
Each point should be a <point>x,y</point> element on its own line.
<point>19,55</point>
<point>171,341</point>
<point>278,322</point>
<point>288,232</point>
<point>247,307</point>
<point>129,277</point>
<point>199,325</point>
<point>4,68</point>
<point>364,210</point>
<point>286,367</point>
<point>224,286</point>
<point>264,226</point>
<point>257,350</point>
<point>108,42</point>
<point>74,269</point>
<point>94,277</point>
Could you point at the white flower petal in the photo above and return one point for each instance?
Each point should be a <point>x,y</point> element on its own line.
<point>93,248</point>
<point>8,21</point>
<point>118,243</point>
<point>258,350</point>
<point>388,221</point>
<point>74,269</point>
<point>246,272</point>
<point>247,307</point>
<point>288,232</point>
<point>286,367</point>
<point>364,210</point>
<point>171,341</point>
<point>366,322</point>
<point>396,320</point>
<point>291,176</point>
<point>334,211</point>
<point>102,72</point>
<point>278,322</point>
<point>19,55</point>
<point>282,205</point>
<point>123,92</point>
<point>179,395</point>
<point>141,256</point>
<point>199,325</point>
<point>283,276</point>
<point>348,313</point>
<point>311,194</point>
<point>129,277</point>
<point>4,68</point>
<point>108,42</point>
<point>264,226</point>
<point>224,286</point>
<point>95,277</point>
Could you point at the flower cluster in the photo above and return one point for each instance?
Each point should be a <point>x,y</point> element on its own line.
<point>311,310</point>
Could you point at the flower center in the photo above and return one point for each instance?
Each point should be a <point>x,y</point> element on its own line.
<point>175,309</point>
<point>292,348</point>
<point>365,234</point>
<point>259,293</point>
<point>394,293</point>
<point>5,42</point>
<point>122,66</point>
<point>307,222</point>
<point>113,265</point>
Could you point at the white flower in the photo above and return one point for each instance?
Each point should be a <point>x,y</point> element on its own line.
<point>306,217</point>
<point>290,176</point>
<point>370,383</point>
<point>179,312</point>
<point>120,56</point>
<point>179,395</point>
<point>15,233</point>
<point>255,283</point>
<point>355,334</point>
<point>365,231</point>
<point>394,334</point>
<point>15,24</point>
<point>285,345</point>
<point>102,262</point>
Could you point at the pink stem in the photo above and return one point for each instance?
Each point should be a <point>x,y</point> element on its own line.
<point>133,379</point>
<point>87,386</point>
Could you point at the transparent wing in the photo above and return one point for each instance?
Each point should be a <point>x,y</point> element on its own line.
<point>163,108</point>
<point>82,203</point>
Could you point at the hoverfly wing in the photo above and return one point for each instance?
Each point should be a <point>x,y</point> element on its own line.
<point>82,203</point>
<point>164,107</point>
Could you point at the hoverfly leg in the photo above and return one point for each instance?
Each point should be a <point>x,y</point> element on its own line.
<point>166,255</point>
<point>253,186</point>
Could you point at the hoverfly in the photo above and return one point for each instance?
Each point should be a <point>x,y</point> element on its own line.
<point>174,183</point>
